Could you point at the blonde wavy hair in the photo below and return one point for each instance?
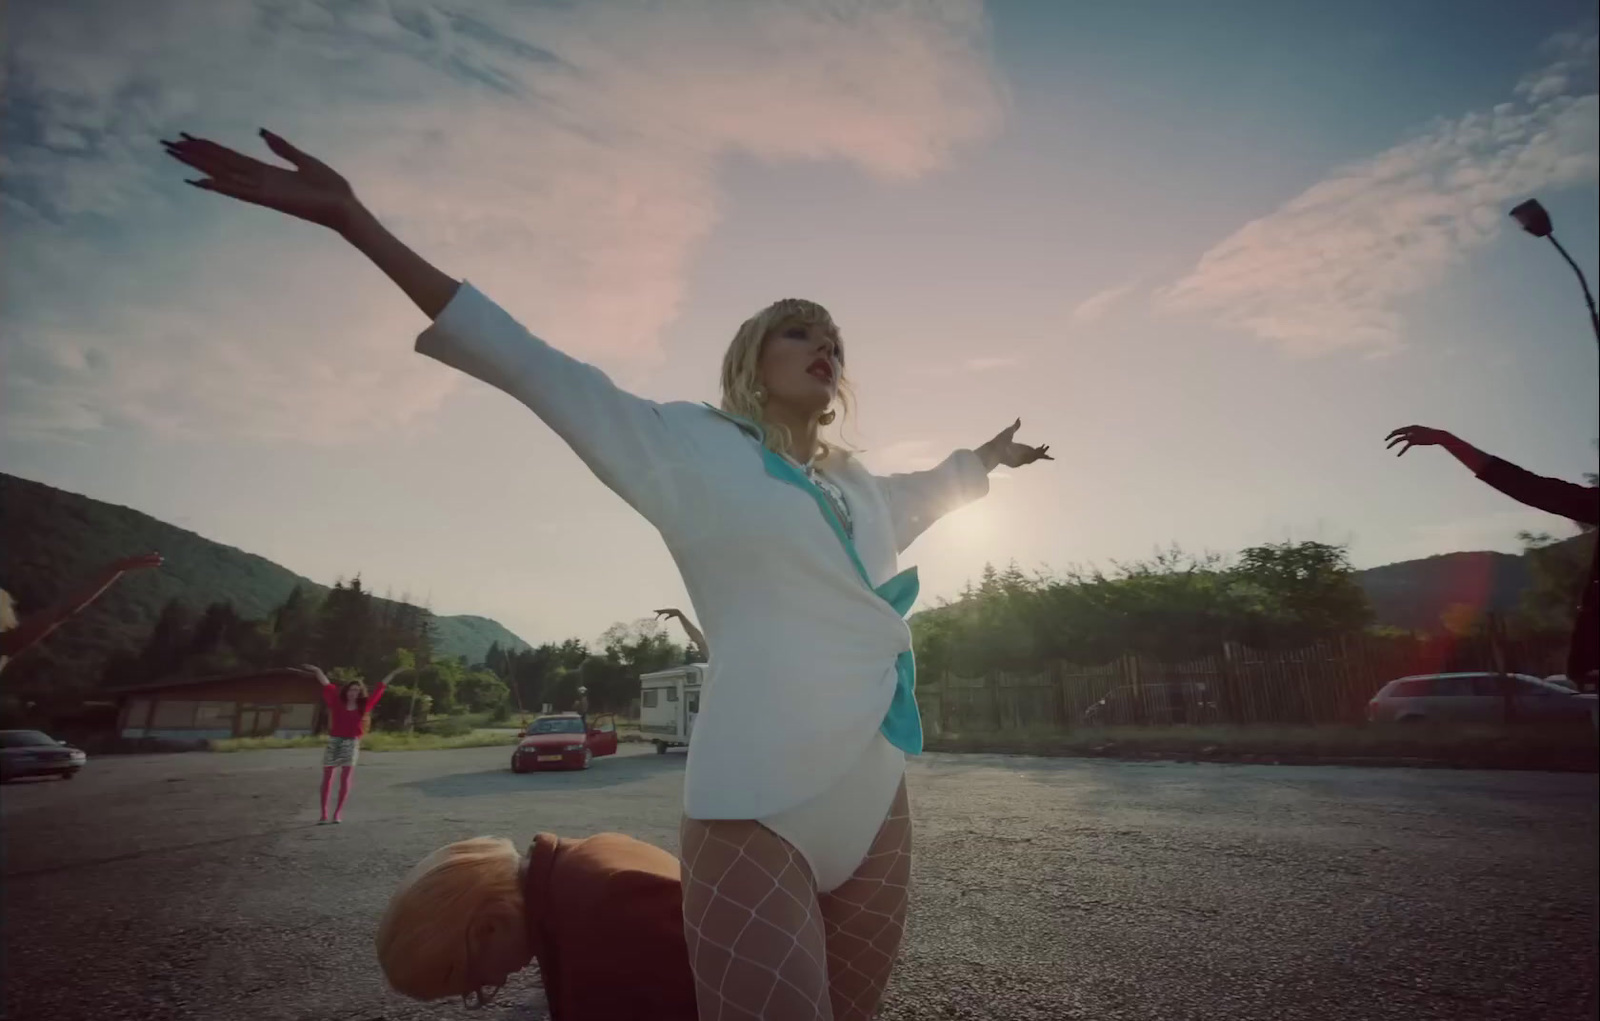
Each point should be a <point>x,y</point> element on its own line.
<point>8,611</point>
<point>424,938</point>
<point>741,368</point>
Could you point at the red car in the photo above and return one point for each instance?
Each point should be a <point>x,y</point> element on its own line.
<point>559,742</point>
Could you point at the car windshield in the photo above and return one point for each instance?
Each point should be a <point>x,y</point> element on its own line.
<point>25,739</point>
<point>1543,687</point>
<point>556,727</point>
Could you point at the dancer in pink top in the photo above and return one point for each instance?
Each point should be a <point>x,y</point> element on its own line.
<point>349,718</point>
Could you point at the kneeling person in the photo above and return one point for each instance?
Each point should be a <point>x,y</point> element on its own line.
<point>473,912</point>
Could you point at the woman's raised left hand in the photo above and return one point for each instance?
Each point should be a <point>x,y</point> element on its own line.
<point>1005,450</point>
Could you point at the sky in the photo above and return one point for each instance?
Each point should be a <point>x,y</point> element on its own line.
<point>1210,253</point>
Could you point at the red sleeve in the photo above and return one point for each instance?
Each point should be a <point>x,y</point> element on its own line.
<point>330,695</point>
<point>620,899</point>
<point>377,693</point>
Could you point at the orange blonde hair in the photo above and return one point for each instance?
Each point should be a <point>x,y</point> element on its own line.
<point>741,366</point>
<point>423,939</point>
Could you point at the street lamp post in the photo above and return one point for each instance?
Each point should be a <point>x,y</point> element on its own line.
<point>1533,218</point>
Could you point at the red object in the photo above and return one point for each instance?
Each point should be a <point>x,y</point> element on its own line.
<point>603,903</point>
<point>344,722</point>
<point>564,749</point>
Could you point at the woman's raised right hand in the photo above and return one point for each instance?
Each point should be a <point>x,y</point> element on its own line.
<point>312,191</point>
<point>1410,436</point>
<point>137,563</point>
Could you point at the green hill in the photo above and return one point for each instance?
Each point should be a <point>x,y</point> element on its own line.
<point>53,539</point>
<point>1413,594</point>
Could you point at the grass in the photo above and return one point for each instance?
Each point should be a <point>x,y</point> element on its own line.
<point>1564,748</point>
<point>397,742</point>
<point>471,730</point>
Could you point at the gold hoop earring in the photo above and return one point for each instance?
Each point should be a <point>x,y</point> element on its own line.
<point>827,417</point>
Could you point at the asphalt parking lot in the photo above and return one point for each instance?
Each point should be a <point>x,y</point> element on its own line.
<point>198,886</point>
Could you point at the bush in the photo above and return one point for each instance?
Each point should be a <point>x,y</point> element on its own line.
<point>256,744</point>
<point>439,681</point>
<point>1533,747</point>
<point>382,741</point>
<point>434,742</point>
<point>447,726</point>
<point>396,702</point>
<point>481,691</point>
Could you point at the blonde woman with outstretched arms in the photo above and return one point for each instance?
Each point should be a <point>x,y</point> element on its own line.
<point>796,833</point>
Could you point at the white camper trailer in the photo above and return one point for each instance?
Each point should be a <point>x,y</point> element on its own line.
<point>669,700</point>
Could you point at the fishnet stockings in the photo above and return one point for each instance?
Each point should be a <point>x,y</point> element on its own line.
<point>765,946</point>
<point>864,920</point>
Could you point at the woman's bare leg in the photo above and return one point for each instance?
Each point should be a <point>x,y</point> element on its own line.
<point>865,919</point>
<point>346,778</point>
<point>327,782</point>
<point>753,925</point>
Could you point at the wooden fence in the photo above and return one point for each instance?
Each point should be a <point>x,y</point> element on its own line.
<point>1327,683</point>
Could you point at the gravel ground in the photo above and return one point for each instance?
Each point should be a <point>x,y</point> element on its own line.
<point>197,886</point>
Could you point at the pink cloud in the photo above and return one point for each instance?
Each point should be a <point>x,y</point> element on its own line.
<point>1097,306</point>
<point>564,158</point>
<point>1329,269</point>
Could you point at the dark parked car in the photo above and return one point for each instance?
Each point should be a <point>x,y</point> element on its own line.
<point>35,753</point>
<point>1159,704</point>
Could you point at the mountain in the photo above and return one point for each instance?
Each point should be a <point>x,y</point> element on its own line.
<point>53,539</point>
<point>1413,594</point>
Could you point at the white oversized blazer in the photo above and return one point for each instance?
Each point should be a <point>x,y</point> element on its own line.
<point>803,668</point>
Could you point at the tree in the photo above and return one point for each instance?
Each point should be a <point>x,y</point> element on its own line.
<point>401,705</point>
<point>629,650</point>
<point>169,642</point>
<point>1307,591</point>
<point>481,691</point>
<point>538,674</point>
<point>1557,570</point>
<point>641,646</point>
<point>346,631</point>
<point>294,629</point>
<point>218,626</point>
<point>440,681</point>
<point>606,680</point>
<point>400,625</point>
<point>529,670</point>
<point>1173,606</point>
<point>1464,620</point>
<point>1591,479</point>
<point>497,660</point>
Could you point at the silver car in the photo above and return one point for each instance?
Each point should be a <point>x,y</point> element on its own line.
<point>35,753</point>
<point>1486,697</point>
